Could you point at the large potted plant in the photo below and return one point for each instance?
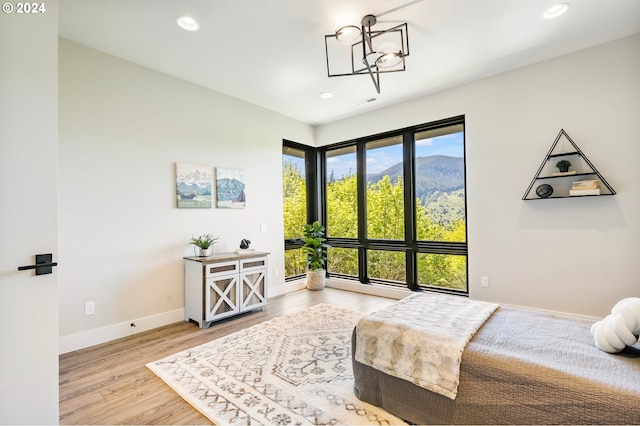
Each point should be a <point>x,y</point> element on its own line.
<point>204,243</point>
<point>315,250</point>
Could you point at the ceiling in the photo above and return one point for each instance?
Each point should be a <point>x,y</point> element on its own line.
<point>272,52</point>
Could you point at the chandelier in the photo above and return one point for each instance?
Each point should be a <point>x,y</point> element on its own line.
<point>356,50</point>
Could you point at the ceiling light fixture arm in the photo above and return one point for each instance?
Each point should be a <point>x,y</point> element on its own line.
<point>367,22</point>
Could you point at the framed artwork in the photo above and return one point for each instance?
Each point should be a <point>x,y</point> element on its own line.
<point>193,186</point>
<point>230,188</point>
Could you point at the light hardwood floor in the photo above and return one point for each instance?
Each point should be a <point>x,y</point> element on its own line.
<point>110,384</point>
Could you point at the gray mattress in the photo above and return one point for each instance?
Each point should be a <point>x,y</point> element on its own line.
<point>521,367</point>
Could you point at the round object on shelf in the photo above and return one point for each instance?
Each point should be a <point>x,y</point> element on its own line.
<point>544,191</point>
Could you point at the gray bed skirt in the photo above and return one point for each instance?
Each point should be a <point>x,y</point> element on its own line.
<point>521,367</point>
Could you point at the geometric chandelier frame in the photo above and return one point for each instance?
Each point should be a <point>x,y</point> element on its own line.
<point>358,51</point>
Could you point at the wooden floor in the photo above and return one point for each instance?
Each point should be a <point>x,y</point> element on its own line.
<point>110,384</point>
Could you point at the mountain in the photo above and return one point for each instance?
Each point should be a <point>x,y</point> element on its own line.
<point>229,189</point>
<point>439,186</point>
<point>184,188</point>
<point>197,182</point>
<point>434,174</point>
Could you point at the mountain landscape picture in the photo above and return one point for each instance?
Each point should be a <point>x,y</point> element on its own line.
<point>193,185</point>
<point>230,188</point>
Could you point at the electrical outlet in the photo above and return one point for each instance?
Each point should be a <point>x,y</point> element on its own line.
<point>89,308</point>
<point>484,281</point>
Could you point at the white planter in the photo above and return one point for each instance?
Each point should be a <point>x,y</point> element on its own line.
<point>206,252</point>
<point>315,279</point>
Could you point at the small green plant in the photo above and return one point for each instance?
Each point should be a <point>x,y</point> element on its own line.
<point>204,241</point>
<point>563,164</point>
<point>314,247</point>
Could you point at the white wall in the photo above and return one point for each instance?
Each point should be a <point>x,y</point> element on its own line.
<point>122,129</point>
<point>568,255</point>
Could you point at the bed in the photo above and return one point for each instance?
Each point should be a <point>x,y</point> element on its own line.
<point>520,367</point>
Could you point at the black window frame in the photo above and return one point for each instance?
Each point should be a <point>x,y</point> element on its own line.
<point>316,175</point>
<point>312,176</point>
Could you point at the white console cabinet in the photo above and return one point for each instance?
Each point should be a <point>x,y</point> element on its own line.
<point>223,285</point>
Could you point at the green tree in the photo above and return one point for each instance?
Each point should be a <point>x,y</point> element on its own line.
<point>342,207</point>
<point>343,260</point>
<point>295,213</point>
<point>385,209</point>
<point>387,265</point>
<point>294,200</point>
<point>440,221</point>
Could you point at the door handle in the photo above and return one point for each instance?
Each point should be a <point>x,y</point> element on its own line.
<point>43,266</point>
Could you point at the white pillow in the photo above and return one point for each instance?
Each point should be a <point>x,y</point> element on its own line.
<point>619,329</point>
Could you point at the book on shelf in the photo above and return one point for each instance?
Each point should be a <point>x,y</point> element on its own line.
<point>585,183</point>
<point>585,187</point>
<point>580,192</point>
<point>240,251</point>
<point>572,172</point>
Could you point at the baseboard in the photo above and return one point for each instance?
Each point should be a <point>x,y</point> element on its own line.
<point>74,342</point>
<point>289,287</point>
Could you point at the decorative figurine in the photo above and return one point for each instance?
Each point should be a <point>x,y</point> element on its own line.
<point>244,244</point>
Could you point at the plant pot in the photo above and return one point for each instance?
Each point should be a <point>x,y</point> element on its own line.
<point>206,252</point>
<point>563,169</point>
<point>316,279</point>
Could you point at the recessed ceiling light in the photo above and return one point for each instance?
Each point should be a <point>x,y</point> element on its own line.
<point>188,23</point>
<point>326,95</point>
<point>555,10</point>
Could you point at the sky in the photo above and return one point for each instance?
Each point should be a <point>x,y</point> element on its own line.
<point>380,159</point>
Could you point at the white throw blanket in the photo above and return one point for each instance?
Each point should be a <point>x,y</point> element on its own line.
<point>421,339</point>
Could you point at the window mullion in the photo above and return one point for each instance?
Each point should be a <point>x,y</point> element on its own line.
<point>410,209</point>
<point>362,212</point>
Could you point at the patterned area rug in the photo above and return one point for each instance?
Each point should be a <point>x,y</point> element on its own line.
<point>291,370</point>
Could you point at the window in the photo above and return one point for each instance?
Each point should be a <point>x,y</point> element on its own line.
<point>385,189</point>
<point>445,271</point>
<point>343,261</point>
<point>439,182</point>
<point>441,208</point>
<point>387,266</point>
<point>294,190</point>
<point>394,206</point>
<point>342,192</point>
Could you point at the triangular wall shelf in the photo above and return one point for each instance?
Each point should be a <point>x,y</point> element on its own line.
<point>549,183</point>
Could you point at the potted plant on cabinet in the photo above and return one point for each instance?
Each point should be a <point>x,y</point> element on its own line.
<point>315,250</point>
<point>563,166</point>
<point>204,243</point>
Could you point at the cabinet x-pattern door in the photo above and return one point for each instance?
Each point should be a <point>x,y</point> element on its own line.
<point>253,288</point>
<point>221,297</point>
